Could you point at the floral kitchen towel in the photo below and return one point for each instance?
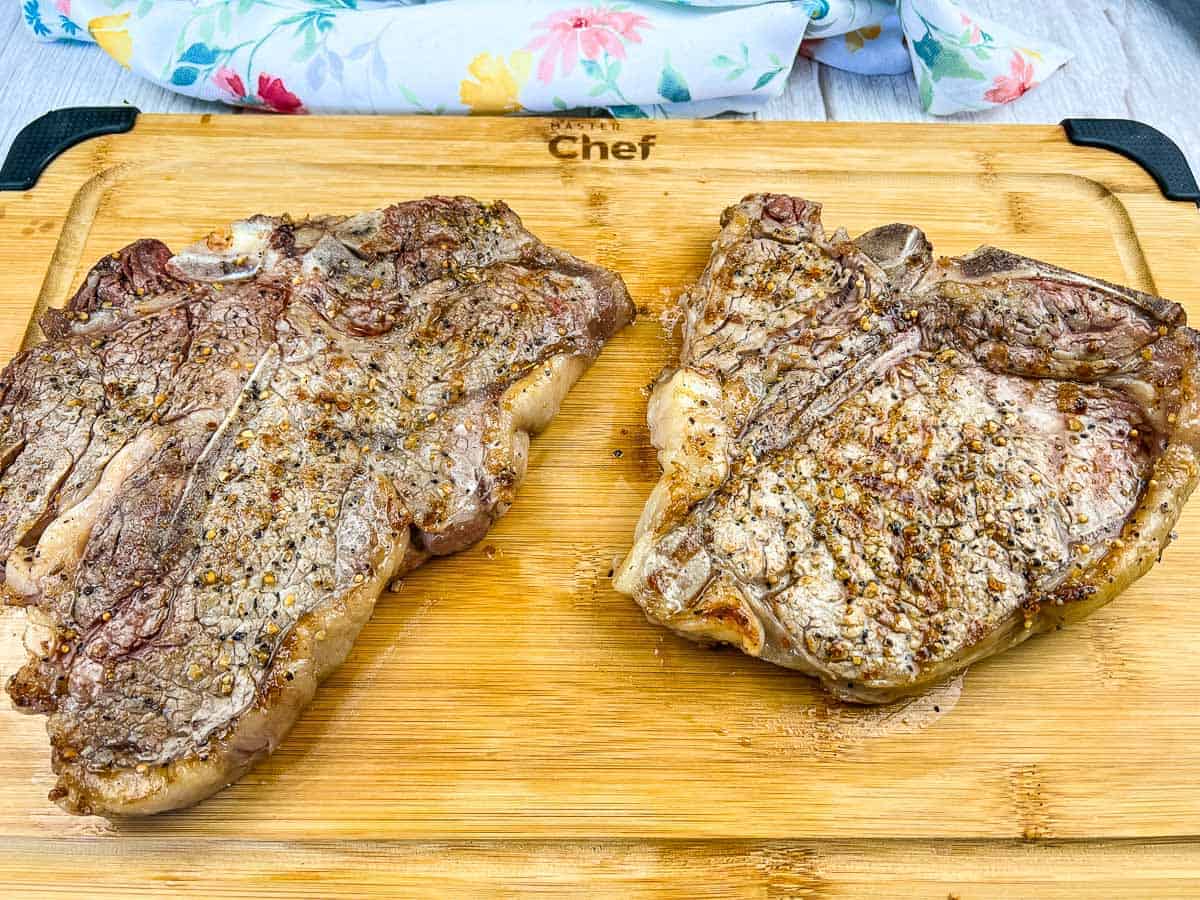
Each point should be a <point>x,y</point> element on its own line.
<point>636,59</point>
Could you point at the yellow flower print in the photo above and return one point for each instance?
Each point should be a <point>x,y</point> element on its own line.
<point>856,39</point>
<point>112,38</point>
<point>497,86</point>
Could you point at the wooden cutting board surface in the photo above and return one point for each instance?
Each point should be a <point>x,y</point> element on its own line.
<point>507,717</point>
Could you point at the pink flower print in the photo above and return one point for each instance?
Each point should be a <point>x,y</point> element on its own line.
<point>277,97</point>
<point>1007,88</point>
<point>63,6</point>
<point>229,80</point>
<point>976,33</point>
<point>587,32</point>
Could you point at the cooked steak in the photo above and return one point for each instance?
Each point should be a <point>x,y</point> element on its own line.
<point>217,461</point>
<point>878,468</point>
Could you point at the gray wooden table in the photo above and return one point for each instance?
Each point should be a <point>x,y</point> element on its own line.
<point>1135,59</point>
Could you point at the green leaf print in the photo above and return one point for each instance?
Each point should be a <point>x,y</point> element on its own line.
<point>928,49</point>
<point>309,47</point>
<point>628,112</point>
<point>944,61</point>
<point>672,86</point>
<point>765,78</point>
<point>737,68</point>
<point>420,107</point>
<point>952,64</point>
<point>605,73</point>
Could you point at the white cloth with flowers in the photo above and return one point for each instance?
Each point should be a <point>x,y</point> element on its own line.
<point>634,59</point>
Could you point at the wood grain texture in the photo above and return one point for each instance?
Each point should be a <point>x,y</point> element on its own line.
<point>1133,59</point>
<point>507,715</point>
<point>805,870</point>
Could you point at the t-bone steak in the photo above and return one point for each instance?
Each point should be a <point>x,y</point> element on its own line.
<point>878,468</point>
<point>217,461</point>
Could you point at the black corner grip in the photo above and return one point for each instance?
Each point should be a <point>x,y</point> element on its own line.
<point>1146,146</point>
<point>39,142</point>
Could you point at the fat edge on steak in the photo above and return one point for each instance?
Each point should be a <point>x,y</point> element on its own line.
<point>878,468</point>
<point>218,460</point>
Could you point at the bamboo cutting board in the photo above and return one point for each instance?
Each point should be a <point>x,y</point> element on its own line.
<point>507,718</point>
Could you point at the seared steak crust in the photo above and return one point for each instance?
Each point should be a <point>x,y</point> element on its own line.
<point>217,461</point>
<point>878,468</point>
